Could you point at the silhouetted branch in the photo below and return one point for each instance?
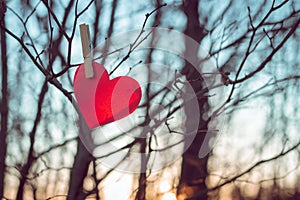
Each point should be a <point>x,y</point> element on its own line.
<point>248,170</point>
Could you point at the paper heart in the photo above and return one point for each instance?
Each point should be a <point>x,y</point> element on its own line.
<point>102,100</point>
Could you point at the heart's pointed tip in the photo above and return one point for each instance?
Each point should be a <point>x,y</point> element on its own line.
<point>118,116</point>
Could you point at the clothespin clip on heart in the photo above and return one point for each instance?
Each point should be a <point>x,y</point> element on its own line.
<point>86,50</point>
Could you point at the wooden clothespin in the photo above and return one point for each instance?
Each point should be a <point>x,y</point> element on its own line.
<point>86,50</point>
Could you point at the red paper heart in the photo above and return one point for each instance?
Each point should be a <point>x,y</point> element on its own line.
<point>102,100</point>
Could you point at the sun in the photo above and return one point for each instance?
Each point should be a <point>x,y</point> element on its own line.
<point>169,196</point>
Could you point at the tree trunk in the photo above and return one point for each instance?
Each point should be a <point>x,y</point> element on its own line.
<point>194,169</point>
<point>4,101</point>
<point>80,167</point>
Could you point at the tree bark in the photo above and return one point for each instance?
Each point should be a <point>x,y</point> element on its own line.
<point>4,100</point>
<point>193,169</point>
